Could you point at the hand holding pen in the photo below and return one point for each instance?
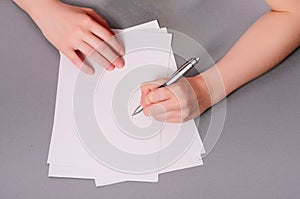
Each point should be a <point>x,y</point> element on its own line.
<point>175,77</point>
<point>175,99</point>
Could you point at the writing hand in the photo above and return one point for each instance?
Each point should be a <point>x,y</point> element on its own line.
<point>179,102</point>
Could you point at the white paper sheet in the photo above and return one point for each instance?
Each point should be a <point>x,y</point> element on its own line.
<point>68,158</point>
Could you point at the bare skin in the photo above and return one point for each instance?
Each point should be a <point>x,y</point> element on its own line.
<point>76,32</point>
<point>266,43</point>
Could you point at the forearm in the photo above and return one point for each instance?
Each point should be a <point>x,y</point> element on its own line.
<point>30,6</point>
<point>267,42</point>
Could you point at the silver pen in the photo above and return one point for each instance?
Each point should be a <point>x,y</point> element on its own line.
<point>182,70</point>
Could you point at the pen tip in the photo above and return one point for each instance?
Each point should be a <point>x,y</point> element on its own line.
<point>197,59</point>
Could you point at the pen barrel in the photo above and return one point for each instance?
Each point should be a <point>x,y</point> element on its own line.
<point>175,77</point>
<point>181,72</point>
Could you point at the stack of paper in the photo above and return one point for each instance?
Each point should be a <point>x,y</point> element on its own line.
<point>125,148</point>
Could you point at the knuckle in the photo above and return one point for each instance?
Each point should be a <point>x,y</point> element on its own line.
<point>86,21</point>
<point>150,97</point>
<point>144,89</point>
<point>89,9</point>
<point>160,94</point>
<point>78,30</point>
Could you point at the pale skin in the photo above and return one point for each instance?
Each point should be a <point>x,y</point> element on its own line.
<point>265,44</point>
<point>77,32</point>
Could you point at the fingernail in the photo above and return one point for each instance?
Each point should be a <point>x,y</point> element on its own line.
<point>120,63</point>
<point>110,67</point>
<point>88,71</point>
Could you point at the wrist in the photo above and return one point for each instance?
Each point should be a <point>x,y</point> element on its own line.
<point>214,84</point>
<point>35,7</point>
<point>201,91</point>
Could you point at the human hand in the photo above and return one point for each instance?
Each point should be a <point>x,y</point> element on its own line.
<point>179,102</point>
<point>78,32</point>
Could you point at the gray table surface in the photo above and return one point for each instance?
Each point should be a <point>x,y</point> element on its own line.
<point>257,155</point>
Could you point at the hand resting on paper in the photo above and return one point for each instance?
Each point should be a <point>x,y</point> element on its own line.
<point>76,32</point>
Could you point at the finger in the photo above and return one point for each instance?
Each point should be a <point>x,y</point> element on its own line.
<point>167,117</point>
<point>105,50</point>
<point>96,17</point>
<point>98,58</point>
<point>77,61</point>
<point>170,117</point>
<point>107,36</point>
<point>157,95</point>
<point>159,108</point>
<point>146,87</point>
